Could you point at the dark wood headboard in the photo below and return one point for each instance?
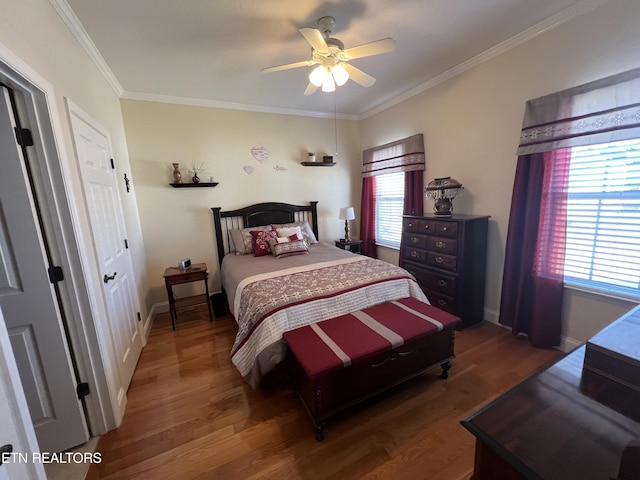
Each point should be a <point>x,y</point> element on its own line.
<point>256,215</point>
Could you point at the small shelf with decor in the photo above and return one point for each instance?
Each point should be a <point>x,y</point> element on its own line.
<point>193,185</point>
<point>318,164</point>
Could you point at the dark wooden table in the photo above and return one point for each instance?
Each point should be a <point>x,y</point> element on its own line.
<point>556,425</point>
<point>175,276</point>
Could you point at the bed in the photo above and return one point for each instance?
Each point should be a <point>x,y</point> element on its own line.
<point>270,295</point>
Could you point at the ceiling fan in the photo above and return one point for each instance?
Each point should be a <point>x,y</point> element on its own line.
<point>333,60</point>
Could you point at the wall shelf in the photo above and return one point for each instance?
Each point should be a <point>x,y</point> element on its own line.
<point>318,164</point>
<point>193,185</point>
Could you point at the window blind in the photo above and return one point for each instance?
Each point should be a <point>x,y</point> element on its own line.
<point>389,207</point>
<point>603,218</point>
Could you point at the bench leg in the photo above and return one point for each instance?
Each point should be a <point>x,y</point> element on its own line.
<point>445,369</point>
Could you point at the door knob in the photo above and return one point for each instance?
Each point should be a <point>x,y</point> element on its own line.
<point>4,450</point>
<point>106,277</point>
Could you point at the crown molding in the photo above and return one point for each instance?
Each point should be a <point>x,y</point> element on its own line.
<point>71,20</point>
<point>198,102</point>
<point>550,23</point>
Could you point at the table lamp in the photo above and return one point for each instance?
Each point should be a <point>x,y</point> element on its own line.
<point>346,214</point>
<point>443,190</point>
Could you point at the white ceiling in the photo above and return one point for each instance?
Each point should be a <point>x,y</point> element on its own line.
<point>210,52</point>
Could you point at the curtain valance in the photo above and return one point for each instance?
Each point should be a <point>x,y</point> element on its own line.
<point>404,155</point>
<point>603,111</point>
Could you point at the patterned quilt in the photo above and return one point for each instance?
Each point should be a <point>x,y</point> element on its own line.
<point>267,305</point>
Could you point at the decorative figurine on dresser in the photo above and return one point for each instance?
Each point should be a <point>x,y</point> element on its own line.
<point>448,257</point>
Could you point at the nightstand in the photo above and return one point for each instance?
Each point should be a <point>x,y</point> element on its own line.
<point>175,276</point>
<point>351,245</point>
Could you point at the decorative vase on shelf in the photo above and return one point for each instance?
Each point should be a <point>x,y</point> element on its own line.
<point>177,176</point>
<point>196,178</point>
<point>312,157</point>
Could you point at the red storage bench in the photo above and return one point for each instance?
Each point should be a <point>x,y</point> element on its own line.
<point>342,361</point>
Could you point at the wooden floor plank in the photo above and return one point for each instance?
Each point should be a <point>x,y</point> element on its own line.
<point>190,416</point>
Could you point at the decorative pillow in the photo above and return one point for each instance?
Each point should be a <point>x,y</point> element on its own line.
<point>288,232</point>
<point>276,240</point>
<point>281,250</point>
<point>307,233</point>
<point>243,240</point>
<point>260,241</point>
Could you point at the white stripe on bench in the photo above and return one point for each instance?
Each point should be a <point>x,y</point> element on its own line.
<point>420,315</point>
<point>389,335</point>
<point>346,360</point>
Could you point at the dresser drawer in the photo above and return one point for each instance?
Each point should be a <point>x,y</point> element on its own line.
<point>433,280</point>
<point>446,229</point>
<point>444,302</point>
<point>441,260</point>
<point>414,225</point>
<point>415,241</point>
<point>415,255</point>
<point>442,244</point>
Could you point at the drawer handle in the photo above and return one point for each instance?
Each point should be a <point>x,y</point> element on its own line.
<point>376,365</point>
<point>443,283</point>
<point>439,260</point>
<point>426,227</point>
<point>442,303</point>
<point>404,354</point>
<point>414,254</point>
<point>410,224</point>
<point>441,245</point>
<point>415,240</point>
<point>444,229</point>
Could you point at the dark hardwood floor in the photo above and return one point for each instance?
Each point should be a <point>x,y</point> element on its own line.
<point>191,416</point>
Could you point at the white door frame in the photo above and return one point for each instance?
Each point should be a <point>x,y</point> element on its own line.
<point>69,241</point>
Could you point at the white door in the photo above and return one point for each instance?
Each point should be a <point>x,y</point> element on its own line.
<point>17,433</point>
<point>30,305</point>
<point>93,149</point>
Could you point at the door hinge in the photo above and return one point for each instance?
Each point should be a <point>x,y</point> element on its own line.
<point>24,137</point>
<point>55,274</point>
<point>139,317</point>
<point>113,166</point>
<point>126,244</point>
<point>82,390</point>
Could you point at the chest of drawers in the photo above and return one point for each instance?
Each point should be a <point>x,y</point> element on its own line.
<point>448,257</point>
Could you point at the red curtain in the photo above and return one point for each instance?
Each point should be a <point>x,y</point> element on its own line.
<point>413,193</point>
<point>368,217</point>
<point>533,283</point>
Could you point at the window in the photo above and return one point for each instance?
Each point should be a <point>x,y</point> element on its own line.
<point>603,218</point>
<point>389,208</point>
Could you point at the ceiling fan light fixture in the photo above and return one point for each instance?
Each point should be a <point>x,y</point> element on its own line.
<point>329,85</point>
<point>318,75</point>
<point>340,75</point>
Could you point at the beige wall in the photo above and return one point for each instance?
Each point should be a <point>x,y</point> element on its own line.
<point>177,223</point>
<point>35,33</point>
<point>471,125</point>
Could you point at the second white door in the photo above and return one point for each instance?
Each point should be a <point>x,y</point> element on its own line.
<point>93,150</point>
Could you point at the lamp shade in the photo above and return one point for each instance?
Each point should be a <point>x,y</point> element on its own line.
<point>347,213</point>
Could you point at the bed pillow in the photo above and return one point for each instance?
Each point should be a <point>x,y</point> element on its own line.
<point>243,240</point>
<point>260,241</point>
<point>287,249</point>
<point>307,233</point>
<point>292,233</point>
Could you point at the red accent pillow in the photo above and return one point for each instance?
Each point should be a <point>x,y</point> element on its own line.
<point>260,244</point>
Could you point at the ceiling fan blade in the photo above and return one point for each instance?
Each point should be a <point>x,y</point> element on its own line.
<point>373,48</point>
<point>277,68</point>
<point>315,38</point>
<point>311,89</point>
<point>358,75</point>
